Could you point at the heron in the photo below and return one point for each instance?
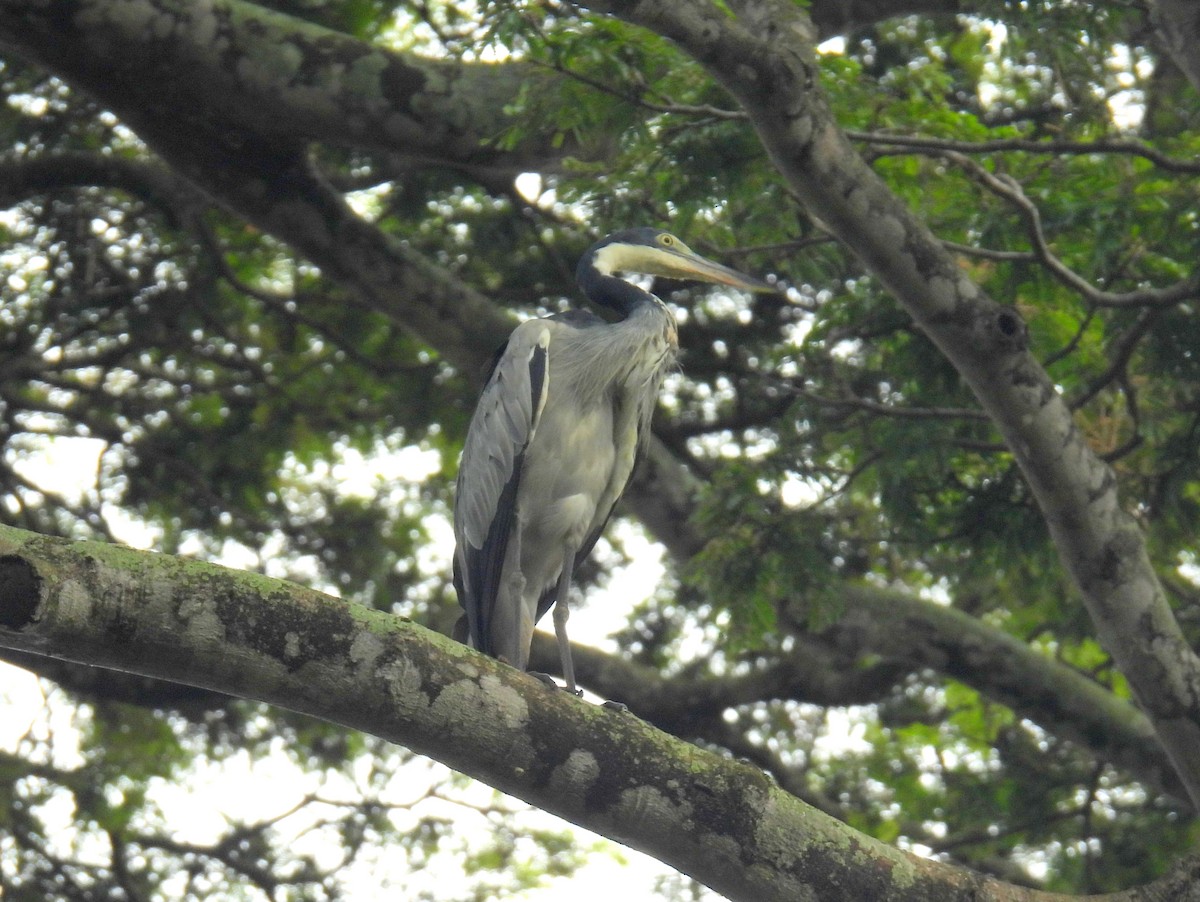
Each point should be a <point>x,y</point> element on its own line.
<point>554,438</point>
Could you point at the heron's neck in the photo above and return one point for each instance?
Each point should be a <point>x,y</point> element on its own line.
<point>614,293</point>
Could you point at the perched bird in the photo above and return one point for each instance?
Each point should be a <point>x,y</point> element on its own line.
<point>552,443</point>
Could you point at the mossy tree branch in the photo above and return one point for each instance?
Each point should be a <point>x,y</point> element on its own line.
<point>718,820</point>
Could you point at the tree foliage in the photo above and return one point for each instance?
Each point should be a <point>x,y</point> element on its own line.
<point>255,276</point>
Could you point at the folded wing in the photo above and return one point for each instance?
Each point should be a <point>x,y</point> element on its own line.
<point>489,477</point>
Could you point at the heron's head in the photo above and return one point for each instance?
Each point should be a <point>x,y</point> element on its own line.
<point>653,252</point>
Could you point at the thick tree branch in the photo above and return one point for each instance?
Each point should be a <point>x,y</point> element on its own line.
<point>764,56</point>
<point>688,704</point>
<point>718,820</point>
<point>282,194</point>
<point>23,177</point>
<point>261,72</point>
<point>1058,698</point>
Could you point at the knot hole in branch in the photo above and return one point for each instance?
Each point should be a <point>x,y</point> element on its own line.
<point>1009,330</point>
<point>20,592</point>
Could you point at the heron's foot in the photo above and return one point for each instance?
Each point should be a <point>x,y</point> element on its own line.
<point>619,707</point>
<point>552,683</point>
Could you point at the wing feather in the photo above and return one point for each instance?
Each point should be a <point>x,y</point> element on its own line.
<point>489,477</point>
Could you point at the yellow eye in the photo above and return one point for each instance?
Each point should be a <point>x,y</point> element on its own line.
<point>666,240</point>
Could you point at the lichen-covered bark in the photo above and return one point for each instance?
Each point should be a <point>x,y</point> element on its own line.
<point>763,55</point>
<point>265,73</point>
<point>721,821</point>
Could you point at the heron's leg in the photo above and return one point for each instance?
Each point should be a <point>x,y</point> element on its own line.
<point>562,611</point>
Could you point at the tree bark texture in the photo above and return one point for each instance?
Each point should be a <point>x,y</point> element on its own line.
<point>720,821</point>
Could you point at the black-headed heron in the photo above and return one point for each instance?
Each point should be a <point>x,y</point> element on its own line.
<point>553,441</point>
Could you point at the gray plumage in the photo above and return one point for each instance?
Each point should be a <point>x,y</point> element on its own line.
<point>554,439</point>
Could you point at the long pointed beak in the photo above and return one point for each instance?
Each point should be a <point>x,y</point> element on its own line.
<point>690,265</point>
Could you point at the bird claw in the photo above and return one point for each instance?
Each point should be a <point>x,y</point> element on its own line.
<point>550,681</point>
<point>619,707</point>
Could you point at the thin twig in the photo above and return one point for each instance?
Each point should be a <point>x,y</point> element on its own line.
<point>1024,145</point>
<point>1007,188</point>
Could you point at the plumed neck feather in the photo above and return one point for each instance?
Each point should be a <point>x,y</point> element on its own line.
<point>610,291</point>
